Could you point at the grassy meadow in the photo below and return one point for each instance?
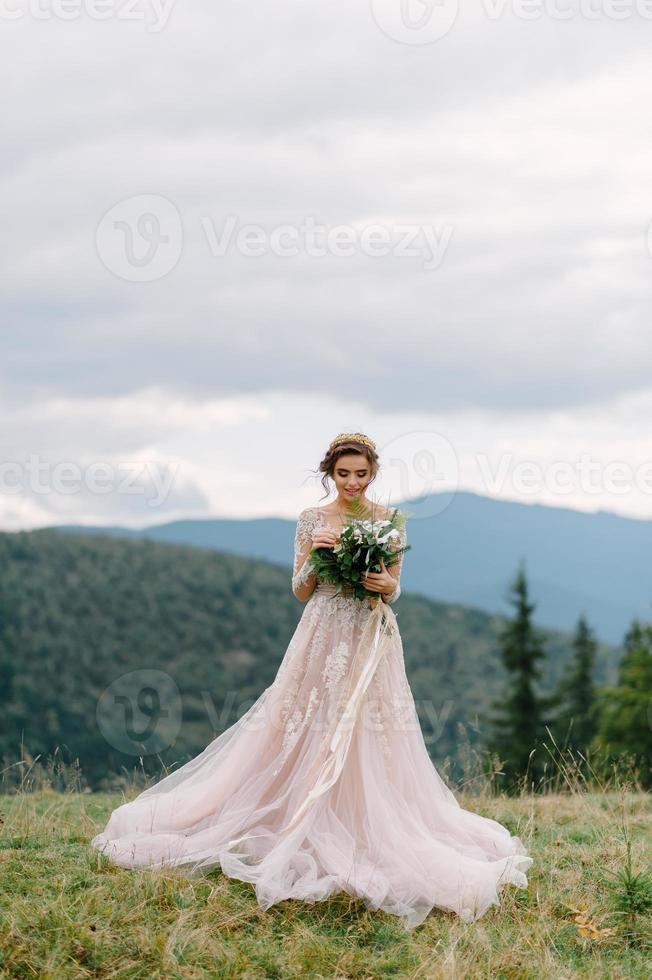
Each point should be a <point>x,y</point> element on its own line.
<point>66,911</point>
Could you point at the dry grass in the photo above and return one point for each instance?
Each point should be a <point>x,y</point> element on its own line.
<point>67,912</point>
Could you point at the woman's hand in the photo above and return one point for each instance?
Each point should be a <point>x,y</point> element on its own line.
<point>324,538</point>
<point>382,581</point>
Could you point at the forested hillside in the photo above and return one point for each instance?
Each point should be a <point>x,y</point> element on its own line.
<point>78,613</point>
<point>466,546</point>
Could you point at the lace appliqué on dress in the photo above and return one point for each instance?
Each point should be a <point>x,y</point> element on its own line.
<point>336,664</point>
<point>378,716</point>
<point>295,725</point>
<point>402,541</point>
<point>301,568</point>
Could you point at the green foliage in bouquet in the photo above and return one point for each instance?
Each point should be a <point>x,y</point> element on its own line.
<point>364,542</point>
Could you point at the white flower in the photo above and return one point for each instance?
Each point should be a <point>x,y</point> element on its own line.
<point>380,531</point>
<point>390,534</point>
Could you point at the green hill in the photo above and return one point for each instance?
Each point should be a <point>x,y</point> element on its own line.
<point>80,613</point>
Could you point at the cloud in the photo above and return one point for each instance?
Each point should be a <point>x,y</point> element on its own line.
<point>522,141</point>
<point>153,457</point>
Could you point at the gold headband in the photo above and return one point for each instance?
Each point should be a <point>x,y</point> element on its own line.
<point>352,437</point>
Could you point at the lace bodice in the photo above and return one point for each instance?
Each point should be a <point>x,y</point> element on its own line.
<point>308,520</point>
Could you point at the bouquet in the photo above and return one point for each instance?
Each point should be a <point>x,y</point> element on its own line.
<point>363,543</point>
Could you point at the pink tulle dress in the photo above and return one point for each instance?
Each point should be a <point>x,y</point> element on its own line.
<point>325,784</point>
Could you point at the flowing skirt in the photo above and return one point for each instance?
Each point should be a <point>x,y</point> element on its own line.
<point>325,785</point>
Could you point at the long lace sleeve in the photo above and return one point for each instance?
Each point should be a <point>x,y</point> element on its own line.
<point>396,568</point>
<point>303,578</point>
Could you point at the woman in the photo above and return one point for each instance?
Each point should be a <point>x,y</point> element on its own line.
<point>325,784</point>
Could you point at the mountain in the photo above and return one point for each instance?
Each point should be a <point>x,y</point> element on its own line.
<point>466,548</point>
<point>129,653</point>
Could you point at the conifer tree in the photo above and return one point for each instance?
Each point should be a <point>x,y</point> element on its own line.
<point>518,725</point>
<point>576,721</point>
<point>625,715</point>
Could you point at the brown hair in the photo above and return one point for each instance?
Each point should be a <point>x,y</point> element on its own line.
<point>329,462</point>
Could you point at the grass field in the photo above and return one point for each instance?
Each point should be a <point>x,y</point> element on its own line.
<point>65,911</point>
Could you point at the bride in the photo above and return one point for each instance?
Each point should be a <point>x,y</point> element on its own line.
<point>325,783</point>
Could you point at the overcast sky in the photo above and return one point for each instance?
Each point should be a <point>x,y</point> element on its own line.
<point>233,230</point>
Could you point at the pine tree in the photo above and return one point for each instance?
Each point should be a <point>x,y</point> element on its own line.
<point>576,722</point>
<point>625,716</point>
<point>518,725</point>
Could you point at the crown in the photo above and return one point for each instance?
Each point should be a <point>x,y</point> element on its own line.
<point>352,437</point>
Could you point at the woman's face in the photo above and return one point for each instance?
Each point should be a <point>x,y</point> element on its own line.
<point>352,473</point>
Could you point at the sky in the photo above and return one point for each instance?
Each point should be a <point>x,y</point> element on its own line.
<point>232,231</point>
